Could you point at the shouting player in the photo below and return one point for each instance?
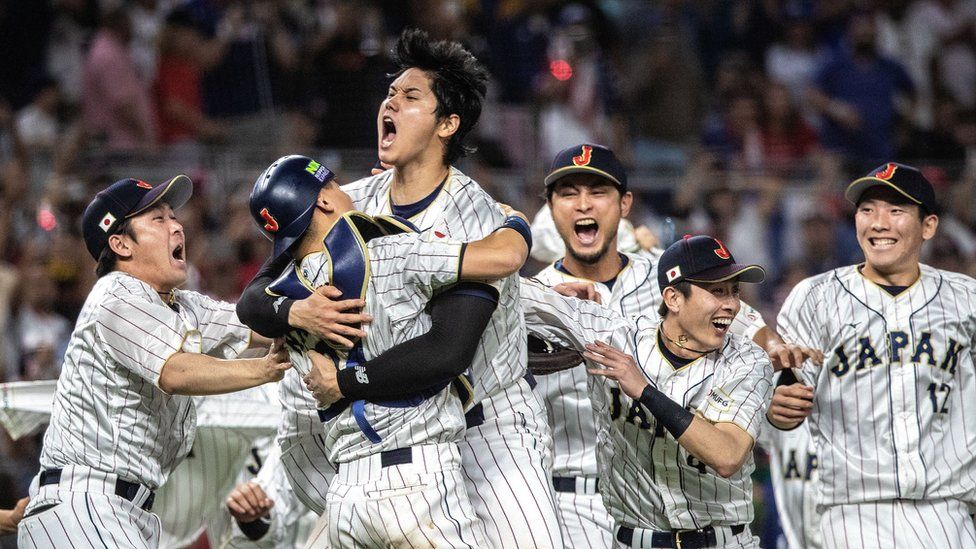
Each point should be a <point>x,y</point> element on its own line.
<point>678,403</point>
<point>432,104</point>
<point>891,413</point>
<point>121,420</point>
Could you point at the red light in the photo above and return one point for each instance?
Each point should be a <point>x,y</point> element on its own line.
<point>561,69</point>
<point>46,220</point>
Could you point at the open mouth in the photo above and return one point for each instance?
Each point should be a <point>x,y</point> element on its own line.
<point>389,132</point>
<point>882,243</point>
<point>179,253</point>
<point>722,324</point>
<point>586,231</point>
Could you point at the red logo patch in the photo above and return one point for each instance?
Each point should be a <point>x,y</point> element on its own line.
<point>887,172</point>
<point>439,234</point>
<point>143,184</point>
<point>583,159</point>
<point>721,251</point>
<point>272,224</point>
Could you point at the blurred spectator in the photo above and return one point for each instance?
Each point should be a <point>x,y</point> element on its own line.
<point>944,32</point>
<point>117,104</point>
<point>736,139</point>
<point>517,37</point>
<point>580,101</point>
<point>789,143</point>
<point>74,24</point>
<point>37,123</point>
<point>25,33</point>
<point>856,94</point>
<point>42,334</point>
<point>184,55</point>
<point>795,59</point>
<point>147,22</point>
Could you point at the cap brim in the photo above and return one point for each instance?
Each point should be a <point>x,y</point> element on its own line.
<point>858,186</point>
<point>174,192</point>
<point>752,274</point>
<point>556,175</point>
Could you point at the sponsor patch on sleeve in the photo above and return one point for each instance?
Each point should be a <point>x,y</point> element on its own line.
<point>720,400</point>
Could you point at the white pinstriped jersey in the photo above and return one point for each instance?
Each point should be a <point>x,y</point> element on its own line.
<point>464,212</point>
<point>109,413</point>
<point>793,469</point>
<point>892,414</point>
<point>635,292</point>
<point>405,271</point>
<point>194,494</point>
<point>646,478</point>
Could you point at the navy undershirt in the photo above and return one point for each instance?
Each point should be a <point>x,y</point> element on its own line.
<point>675,360</point>
<point>624,260</point>
<point>893,290</point>
<point>407,211</point>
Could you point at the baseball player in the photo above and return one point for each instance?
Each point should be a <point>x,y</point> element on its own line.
<point>676,429</point>
<point>587,196</point>
<point>432,104</point>
<point>406,444</point>
<point>890,416</point>
<point>793,464</point>
<point>121,421</point>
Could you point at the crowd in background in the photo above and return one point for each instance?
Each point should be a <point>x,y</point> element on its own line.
<point>743,119</point>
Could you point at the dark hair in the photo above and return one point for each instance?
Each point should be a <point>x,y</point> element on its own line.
<point>458,80</point>
<point>684,287</point>
<point>107,259</point>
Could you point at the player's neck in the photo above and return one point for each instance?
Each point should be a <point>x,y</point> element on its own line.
<point>416,180</point>
<point>894,277</point>
<point>678,342</point>
<point>605,268</point>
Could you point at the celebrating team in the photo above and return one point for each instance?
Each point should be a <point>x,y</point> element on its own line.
<point>409,417</point>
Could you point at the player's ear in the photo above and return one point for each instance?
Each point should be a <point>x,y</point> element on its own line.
<point>929,225</point>
<point>672,299</point>
<point>626,201</point>
<point>120,244</point>
<point>448,126</point>
<point>324,203</point>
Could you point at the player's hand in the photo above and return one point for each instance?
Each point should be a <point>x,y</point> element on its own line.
<point>646,238</point>
<point>321,380</point>
<point>509,211</point>
<point>330,320</point>
<point>248,503</point>
<point>618,366</point>
<point>10,518</point>
<point>790,405</point>
<point>276,362</point>
<point>787,355</point>
<point>380,167</point>
<point>579,290</point>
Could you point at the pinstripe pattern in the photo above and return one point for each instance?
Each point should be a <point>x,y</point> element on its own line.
<point>892,413</point>
<point>899,524</point>
<point>647,480</point>
<point>506,460</point>
<point>90,520</point>
<point>793,468</point>
<point>108,412</point>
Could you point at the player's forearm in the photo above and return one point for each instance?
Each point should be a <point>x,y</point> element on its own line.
<point>498,255</point>
<point>199,374</point>
<point>258,310</point>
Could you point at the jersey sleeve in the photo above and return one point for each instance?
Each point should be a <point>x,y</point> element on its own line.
<point>747,322</point>
<point>139,335</point>
<point>741,391</point>
<point>223,335</point>
<point>569,321</point>
<point>797,323</point>
<point>423,262</point>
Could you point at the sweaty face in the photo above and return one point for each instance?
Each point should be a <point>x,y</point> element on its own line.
<point>407,121</point>
<point>891,234</point>
<point>159,249</point>
<point>586,210</point>
<point>705,316</point>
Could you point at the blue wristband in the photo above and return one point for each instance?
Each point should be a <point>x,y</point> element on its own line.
<point>517,223</point>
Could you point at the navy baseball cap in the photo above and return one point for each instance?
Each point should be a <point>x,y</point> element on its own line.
<point>703,259</point>
<point>124,199</point>
<point>908,181</point>
<point>588,158</point>
<point>283,199</point>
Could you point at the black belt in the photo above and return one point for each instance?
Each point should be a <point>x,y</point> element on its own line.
<point>568,484</point>
<point>683,539</point>
<point>399,456</point>
<point>123,488</point>
<point>476,415</point>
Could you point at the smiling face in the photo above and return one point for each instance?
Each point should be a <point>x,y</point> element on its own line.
<point>407,123</point>
<point>705,315</point>
<point>157,254</point>
<point>890,232</point>
<point>586,210</point>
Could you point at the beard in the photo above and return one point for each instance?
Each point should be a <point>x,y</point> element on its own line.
<point>593,258</point>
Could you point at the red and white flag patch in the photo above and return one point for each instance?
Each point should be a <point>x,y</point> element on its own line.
<point>107,221</point>
<point>673,274</point>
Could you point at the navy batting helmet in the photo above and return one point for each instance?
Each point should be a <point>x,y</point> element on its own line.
<point>283,199</point>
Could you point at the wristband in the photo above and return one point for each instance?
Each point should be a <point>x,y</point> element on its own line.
<point>668,413</point>
<point>256,529</point>
<point>522,226</point>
